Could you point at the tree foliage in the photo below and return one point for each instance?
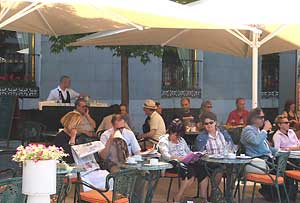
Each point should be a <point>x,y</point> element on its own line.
<point>60,43</point>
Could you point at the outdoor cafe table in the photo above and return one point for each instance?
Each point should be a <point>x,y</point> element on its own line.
<point>229,164</point>
<point>152,175</point>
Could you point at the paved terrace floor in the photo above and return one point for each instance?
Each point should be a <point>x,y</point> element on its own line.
<point>162,189</point>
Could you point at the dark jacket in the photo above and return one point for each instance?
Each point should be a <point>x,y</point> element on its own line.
<point>62,140</point>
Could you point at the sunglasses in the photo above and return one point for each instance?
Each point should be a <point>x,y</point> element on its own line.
<point>260,117</point>
<point>209,123</point>
<point>209,107</point>
<point>287,122</point>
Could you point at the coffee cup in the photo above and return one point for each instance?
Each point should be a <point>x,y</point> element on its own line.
<point>138,158</point>
<point>131,160</point>
<point>231,156</point>
<point>153,161</point>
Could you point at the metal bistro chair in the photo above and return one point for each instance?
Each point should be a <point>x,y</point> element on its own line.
<point>123,186</point>
<point>63,186</point>
<point>32,132</point>
<point>294,175</point>
<point>268,178</point>
<point>11,190</point>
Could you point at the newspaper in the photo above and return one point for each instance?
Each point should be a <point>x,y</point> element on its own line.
<point>84,156</point>
<point>83,150</point>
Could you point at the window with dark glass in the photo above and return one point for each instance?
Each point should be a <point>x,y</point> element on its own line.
<point>180,73</point>
<point>17,67</point>
<point>270,75</point>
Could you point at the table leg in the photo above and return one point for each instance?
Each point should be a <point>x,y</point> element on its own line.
<point>77,189</point>
<point>153,178</point>
<point>229,183</point>
<point>216,193</point>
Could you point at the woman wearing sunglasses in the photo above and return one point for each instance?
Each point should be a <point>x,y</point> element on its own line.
<point>173,147</point>
<point>285,138</point>
<point>214,141</point>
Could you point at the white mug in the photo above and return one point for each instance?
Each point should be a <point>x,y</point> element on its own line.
<point>131,160</point>
<point>153,161</point>
<point>138,157</point>
<point>231,156</point>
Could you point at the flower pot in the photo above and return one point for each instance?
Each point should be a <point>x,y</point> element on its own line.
<point>39,180</point>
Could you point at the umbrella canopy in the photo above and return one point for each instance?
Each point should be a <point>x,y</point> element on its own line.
<point>61,17</point>
<point>275,27</point>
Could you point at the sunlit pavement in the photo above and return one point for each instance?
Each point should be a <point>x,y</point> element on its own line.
<point>162,189</point>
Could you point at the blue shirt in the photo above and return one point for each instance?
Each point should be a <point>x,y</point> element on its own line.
<point>255,142</point>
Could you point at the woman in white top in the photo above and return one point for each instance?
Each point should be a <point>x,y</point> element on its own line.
<point>173,147</point>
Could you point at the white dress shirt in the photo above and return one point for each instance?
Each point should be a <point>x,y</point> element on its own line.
<point>54,94</point>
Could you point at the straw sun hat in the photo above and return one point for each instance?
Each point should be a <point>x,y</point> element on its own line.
<point>150,104</point>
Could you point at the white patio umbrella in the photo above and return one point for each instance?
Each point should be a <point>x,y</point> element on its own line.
<point>275,27</point>
<point>61,17</point>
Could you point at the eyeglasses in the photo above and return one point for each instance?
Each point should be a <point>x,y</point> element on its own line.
<point>209,123</point>
<point>84,106</point>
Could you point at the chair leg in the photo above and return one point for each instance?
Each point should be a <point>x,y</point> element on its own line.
<point>278,193</point>
<point>169,189</point>
<point>198,189</point>
<point>224,184</point>
<point>253,192</point>
<point>286,194</point>
<point>244,190</point>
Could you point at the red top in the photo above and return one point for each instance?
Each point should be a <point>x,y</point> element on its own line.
<point>235,118</point>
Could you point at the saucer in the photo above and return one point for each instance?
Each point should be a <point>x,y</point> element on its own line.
<point>131,163</point>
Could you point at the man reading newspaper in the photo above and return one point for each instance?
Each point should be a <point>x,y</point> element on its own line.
<point>84,156</point>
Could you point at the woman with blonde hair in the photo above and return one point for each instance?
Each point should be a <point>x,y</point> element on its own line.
<point>67,137</point>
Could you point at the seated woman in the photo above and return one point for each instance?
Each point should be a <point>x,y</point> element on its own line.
<point>291,114</point>
<point>212,140</point>
<point>285,138</point>
<point>173,147</point>
<point>67,137</point>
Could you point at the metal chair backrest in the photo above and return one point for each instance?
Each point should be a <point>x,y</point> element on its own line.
<point>11,190</point>
<point>123,184</point>
<point>32,131</point>
<point>282,158</point>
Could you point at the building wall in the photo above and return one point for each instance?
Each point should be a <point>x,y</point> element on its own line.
<point>287,79</point>
<point>97,73</point>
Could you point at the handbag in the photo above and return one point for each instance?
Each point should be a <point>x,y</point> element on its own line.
<point>261,163</point>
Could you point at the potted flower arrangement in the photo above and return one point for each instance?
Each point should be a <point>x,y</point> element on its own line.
<point>39,170</point>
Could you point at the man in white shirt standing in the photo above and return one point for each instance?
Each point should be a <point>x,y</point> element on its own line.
<point>63,93</point>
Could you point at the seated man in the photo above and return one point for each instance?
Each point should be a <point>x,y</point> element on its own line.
<point>125,114</point>
<point>156,122</point>
<point>112,153</point>
<point>87,125</point>
<point>255,140</point>
<point>106,122</point>
<point>256,143</point>
<point>239,115</point>
<point>285,138</point>
<point>186,114</point>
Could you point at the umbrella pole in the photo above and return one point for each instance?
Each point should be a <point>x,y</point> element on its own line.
<point>255,70</point>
